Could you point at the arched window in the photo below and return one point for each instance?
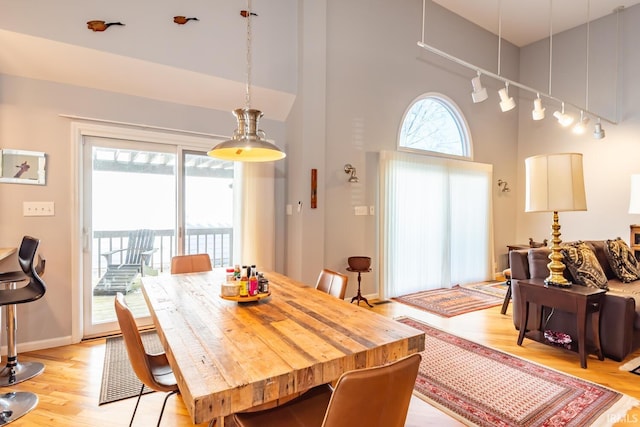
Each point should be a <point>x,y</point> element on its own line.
<point>433,123</point>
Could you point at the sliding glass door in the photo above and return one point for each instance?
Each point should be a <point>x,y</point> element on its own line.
<point>143,203</point>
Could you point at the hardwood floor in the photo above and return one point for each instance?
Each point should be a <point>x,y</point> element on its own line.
<point>69,387</point>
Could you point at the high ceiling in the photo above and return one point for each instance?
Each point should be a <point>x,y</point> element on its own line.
<point>527,21</point>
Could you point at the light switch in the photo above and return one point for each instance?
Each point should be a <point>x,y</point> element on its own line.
<point>38,209</point>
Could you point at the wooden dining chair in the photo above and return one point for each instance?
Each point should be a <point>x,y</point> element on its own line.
<point>373,397</point>
<point>152,370</point>
<point>332,283</point>
<point>190,263</point>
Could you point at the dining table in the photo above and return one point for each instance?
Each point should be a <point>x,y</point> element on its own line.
<point>231,356</point>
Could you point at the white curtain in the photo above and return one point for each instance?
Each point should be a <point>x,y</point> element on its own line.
<point>435,223</point>
<point>255,208</point>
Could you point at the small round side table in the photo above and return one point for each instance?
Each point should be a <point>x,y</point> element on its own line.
<point>359,296</point>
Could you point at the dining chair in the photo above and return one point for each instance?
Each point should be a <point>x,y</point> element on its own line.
<point>190,263</point>
<point>152,370</point>
<point>332,283</point>
<point>372,397</point>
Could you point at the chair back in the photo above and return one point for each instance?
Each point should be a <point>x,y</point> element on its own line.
<point>35,288</point>
<point>140,361</point>
<point>376,396</point>
<point>190,263</point>
<point>332,283</point>
<point>139,241</point>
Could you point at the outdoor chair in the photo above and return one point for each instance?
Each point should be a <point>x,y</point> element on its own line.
<point>133,259</point>
<point>376,396</point>
<point>332,283</point>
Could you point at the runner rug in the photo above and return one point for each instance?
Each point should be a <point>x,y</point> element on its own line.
<point>449,302</point>
<point>485,387</point>
<point>632,366</point>
<point>118,379</point>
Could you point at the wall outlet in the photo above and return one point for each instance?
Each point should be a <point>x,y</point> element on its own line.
<point>371,210</point>
<point>360,210</point>
<point>38,209</point>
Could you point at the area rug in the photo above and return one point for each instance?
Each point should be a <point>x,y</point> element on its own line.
<point>632,366</point>
<point>449,302</point>
<point>118,379</point>
<point>498,289</point>
<point>485,387</point>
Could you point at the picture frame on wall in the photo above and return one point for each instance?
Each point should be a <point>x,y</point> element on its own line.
<point>22,167</point>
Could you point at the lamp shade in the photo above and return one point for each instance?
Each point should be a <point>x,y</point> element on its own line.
<point>634,196</point>
<point>554,183</point>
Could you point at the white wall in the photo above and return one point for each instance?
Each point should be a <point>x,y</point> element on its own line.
<point>608,163</point>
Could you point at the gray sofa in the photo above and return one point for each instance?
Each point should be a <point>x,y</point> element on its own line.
<point>620,313</point>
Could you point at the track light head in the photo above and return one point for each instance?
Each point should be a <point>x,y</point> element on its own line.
<point>538,111</point>
<point>506,102</point>
<point>581,126</point>
<point>565,120</point>
<point>479,93</point>
<point>598,132</point>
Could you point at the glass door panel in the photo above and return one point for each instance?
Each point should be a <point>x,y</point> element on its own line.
<point>208,208</point>
<point>130,220</point>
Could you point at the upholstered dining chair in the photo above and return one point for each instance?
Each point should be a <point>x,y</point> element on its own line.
<point>152,370</point>
<point>332,283</point>
<point>190,263</point>
<point>372,397</point>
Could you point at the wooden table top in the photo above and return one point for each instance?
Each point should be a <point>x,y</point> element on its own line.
<point>6,252</point>
<point>228,357</point>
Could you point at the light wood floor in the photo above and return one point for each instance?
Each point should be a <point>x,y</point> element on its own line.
<point>70,385</point>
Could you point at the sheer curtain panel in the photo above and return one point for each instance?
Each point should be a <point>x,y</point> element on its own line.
<point>435,223</point>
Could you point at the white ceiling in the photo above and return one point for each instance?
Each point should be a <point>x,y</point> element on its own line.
<point>527,21</point>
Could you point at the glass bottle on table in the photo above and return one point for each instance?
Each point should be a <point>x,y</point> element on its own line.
<point>253,282</point>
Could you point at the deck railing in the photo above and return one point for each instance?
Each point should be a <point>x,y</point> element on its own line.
<point>217,242</point>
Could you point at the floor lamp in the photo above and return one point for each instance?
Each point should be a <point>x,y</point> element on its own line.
<point>555,183</point>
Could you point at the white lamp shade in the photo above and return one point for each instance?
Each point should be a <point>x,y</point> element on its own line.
<point>554,183</point>
<point>634,196</point>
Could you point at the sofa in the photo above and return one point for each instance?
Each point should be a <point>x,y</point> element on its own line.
<point>620,312</point>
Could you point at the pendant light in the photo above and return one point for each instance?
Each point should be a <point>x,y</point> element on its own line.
<point>248,143</point>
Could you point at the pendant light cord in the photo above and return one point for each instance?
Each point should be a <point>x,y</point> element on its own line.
<point>586,77</point>
<point>550,41</point>
<point>247,99</point>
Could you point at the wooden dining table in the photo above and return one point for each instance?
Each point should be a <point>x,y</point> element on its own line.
<point>232,356</point>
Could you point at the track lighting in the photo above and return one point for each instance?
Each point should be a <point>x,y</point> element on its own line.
<point>479,93</point>
<point>564,119</point>
<point>506,102</point>
<point>581,126</point>
<point>598,132</point>
<point>538,110</point>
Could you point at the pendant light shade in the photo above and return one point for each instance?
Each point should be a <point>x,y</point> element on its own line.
<point>248,143</point>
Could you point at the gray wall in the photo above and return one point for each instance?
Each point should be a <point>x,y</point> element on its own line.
<point>613,92</point>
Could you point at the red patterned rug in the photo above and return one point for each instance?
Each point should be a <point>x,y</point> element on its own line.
<point>485,387</point>
<point>449,302</point>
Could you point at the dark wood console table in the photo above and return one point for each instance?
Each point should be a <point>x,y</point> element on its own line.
<point>577,299</point>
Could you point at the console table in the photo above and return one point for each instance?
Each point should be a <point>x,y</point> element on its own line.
<point>577,299</point>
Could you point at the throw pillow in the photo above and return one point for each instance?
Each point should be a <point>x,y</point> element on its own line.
<point>583,265</point>
<point>622,260</point>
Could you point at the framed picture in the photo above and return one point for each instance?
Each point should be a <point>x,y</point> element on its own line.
<point>22,167</point>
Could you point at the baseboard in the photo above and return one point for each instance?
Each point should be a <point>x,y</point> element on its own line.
<point>39,345</point>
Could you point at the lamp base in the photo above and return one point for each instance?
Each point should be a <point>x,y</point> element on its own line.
<point>548,283</point>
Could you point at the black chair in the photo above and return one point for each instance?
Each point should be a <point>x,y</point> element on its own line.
<point>13,405</point>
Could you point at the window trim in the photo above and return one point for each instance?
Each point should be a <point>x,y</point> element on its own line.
<point>457,116</point>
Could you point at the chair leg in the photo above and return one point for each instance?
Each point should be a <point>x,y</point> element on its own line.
<point>507,298</point>
<point>164,404</point>
<point>15,372</point>
<point>13,405</point>
<point>136,407</point>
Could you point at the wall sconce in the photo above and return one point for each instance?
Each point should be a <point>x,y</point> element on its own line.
<point>348,169</point>
<point>504,186</point>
